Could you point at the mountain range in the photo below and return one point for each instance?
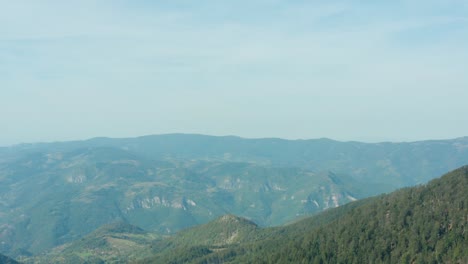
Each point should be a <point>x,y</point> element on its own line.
<point>423,224</point>
<point>52,194</point>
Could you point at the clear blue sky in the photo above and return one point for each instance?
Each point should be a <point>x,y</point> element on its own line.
<point>347,70</point>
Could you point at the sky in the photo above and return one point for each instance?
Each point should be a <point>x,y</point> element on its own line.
<point>347,70</point>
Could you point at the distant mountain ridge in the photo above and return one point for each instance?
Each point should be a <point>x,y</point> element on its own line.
<point>55,193</point>
<point>404,160</point>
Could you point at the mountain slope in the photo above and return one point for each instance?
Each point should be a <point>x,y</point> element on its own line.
<point>417,225</point>
<point>53,198</point>
<point>55,193</point>
<point>425,224</point>
<point>114,243</point>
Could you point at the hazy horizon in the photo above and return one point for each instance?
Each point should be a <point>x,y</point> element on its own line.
<point>197,134</point>
<point>345,70</point>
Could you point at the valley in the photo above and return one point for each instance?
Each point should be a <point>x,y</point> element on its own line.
<point>54,194</point>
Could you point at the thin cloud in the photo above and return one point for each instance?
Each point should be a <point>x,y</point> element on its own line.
<point>197,62</point>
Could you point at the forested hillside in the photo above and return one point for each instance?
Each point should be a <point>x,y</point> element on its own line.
<point>424,224</point>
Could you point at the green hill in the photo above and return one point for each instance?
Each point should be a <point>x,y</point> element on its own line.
<point>226,230</point>
<point>424,224</point>
<point>111,243</point>
<point>214,236</point>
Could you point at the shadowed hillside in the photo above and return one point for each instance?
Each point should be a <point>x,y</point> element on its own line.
<point>7,260</point>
